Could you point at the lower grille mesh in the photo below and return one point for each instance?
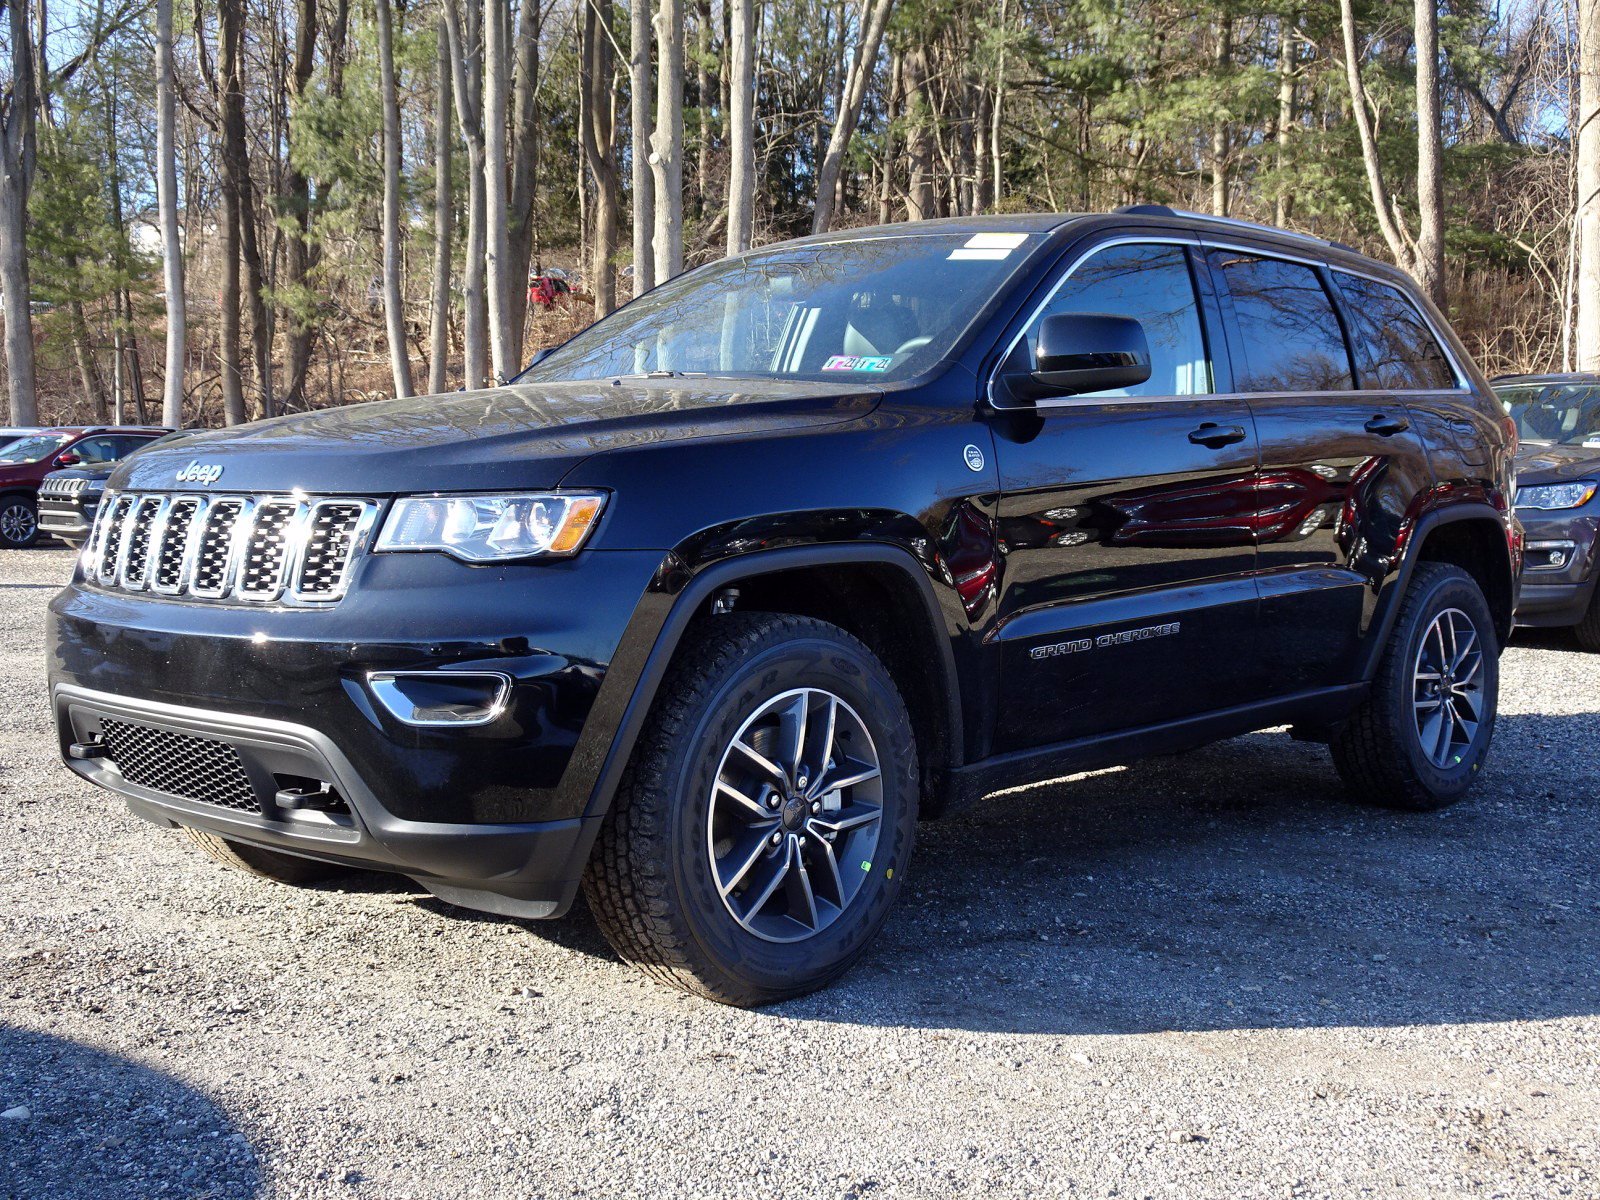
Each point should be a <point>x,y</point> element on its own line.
<point>194,768</point>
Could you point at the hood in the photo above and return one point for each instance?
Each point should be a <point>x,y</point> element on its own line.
<point>1556,464</point>
<point>85,471</point>
<point>517,436</point>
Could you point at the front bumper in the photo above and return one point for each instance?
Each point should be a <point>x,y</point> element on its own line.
<point>68,519</point>
<point>496,815</point>
<point>1560,566</point>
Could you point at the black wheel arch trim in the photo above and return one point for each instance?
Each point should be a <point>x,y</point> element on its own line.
<point>689,601</point>
<point>1389,603</point>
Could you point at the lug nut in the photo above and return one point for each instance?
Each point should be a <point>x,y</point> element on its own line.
<point>772,800</point>
<point>801,781</point>
<point>777,839</point>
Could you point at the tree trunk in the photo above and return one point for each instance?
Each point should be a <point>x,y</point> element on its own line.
<point>1588,199</point>
<point>741,124</point>
<point>230,102</point>
<point>1282,201</point>
<point>443,223</point>
<point>17,150</point>
<point>394,314</point>
<point>599,150</point>
<point>921,200</point>
<point>1430,153</point>
<point>862,68</point>
<point>997,171</point>
<point>496,110</point>
<point>298,253</point>
<point>1220,135</point>
<point>466,59</point>
<point>644,188</point>
<point>666,145</point>
<point>524,165</point>
<point>167,202</point>
<point>702,80</point>
<point>1383,208</point>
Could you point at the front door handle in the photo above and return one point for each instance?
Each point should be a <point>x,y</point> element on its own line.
<point>1217,436</point>
<point>1386,426</point>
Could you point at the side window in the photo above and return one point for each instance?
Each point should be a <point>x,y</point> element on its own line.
<point>1291,335</point>
<point>1394,345</point>
<point>127,445</point>
<point>97,449</point>
<point>1152,284</point>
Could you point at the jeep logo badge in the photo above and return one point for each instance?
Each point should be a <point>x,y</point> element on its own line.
<point>199,472</point>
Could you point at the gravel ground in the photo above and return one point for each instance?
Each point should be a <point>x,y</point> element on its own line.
<point>1201,976</point>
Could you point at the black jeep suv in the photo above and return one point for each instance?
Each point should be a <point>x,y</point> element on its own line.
<point>704,611</point>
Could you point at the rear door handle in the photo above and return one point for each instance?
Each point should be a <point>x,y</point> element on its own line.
<point>1217,436</point>
<point>1386,426</point>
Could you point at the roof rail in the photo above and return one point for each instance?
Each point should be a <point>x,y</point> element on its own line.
<point>1163,210</point>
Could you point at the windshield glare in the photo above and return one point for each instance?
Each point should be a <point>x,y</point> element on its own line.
<point>1562,413</point>
<point>868,309</point>
<point>32,449</point>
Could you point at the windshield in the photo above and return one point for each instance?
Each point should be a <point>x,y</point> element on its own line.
<point>1563,413</point>
<point>33,449</point>
<point>869,309</point>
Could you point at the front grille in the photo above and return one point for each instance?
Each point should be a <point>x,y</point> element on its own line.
<point>179,764</point>
<point>62,487</point>
<point>256,549</point>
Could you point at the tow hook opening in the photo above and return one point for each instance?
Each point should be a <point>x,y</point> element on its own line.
<point>299,793</point>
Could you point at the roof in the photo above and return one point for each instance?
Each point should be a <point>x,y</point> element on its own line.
<point>1550,377</point>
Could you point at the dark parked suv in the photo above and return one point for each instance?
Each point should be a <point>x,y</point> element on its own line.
<point>711,605</point>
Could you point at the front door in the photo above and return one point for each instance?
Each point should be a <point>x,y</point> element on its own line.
<point>1128,594</point>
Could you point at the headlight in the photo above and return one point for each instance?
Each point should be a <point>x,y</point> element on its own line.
<point>493,528</point>
<point>1555,495</point>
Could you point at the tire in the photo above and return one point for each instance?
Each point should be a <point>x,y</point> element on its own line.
<point>19,522</point>
<point>1588,629</point>
<point>665,881</point>
<point>263,863</point>
<point>1395,752</point>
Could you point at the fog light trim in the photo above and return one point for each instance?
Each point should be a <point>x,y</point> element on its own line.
<point>389,687</point>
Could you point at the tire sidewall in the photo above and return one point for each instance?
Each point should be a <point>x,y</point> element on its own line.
<point>857,679</point>
<point>1454,590</point>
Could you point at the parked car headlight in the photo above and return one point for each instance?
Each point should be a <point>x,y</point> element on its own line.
<point>493,528</point>
<point>1555,495</point>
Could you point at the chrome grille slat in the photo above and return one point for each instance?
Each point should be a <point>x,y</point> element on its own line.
<point>243,549</point>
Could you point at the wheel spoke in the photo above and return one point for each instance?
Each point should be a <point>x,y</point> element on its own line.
<point>793,725</point>
<point>846,819</point>
<point>846,773</point>
<point>802,900</point>
<point>1447,730</point>
<point>1471,641</point>
<point>829,877</point>
<point>744,859</point>
<point>770,768</point>
<point>1467,699</point>
<point>745,803</point>
<point>780,870</point>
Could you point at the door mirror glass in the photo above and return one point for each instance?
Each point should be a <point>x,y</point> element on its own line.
<point>1089,352</point>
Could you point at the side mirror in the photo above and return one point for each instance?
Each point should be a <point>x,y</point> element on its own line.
<point>1088,352</point>
<point>69,459</point>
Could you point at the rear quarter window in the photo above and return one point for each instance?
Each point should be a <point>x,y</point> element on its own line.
<point>1395,348</point>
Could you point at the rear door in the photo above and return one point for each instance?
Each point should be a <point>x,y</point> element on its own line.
<point>1128,595</point>
<point>1340,464</point>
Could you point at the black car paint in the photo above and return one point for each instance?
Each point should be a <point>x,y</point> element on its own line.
<point>1007,531</point>
<point>1559,596</point>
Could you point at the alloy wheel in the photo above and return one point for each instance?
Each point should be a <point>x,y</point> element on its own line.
<point>17,524</point>
<point>795,815</point>
<point>1447,688</point>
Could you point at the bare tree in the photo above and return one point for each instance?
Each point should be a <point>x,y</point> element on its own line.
<point>524,163</point>
<point>742,125</point>
<point>666,144</point>
<point>167,203</point>
<point>874,17</point>
<point>1422,254</point>
<point>444,210</point>
<point>227,85</point>
<point>300,253</point>
<point>496,110</point>
<point>599,149</point>
<point>394,312</point>
<point>464,28</point>
<point>644,191</point>
<point>18,150</point>
<point>1588,199</point>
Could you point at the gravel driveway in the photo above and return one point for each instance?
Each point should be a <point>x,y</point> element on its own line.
<point>1201,976</point>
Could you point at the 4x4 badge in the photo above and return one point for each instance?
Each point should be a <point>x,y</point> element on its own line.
<point>199,472</point>
<point>974,458</point>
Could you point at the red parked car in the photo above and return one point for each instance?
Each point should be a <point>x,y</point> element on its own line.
<point>25,462</point>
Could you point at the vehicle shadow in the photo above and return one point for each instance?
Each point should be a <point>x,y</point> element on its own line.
<point>1237,887</point>
<point>100,1126</point>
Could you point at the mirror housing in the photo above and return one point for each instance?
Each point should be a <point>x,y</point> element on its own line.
<point>1087,352</point>
<point>67,459</point>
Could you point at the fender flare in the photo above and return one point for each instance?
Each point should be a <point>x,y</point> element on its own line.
<point>1389,604</point>
<point>729,572</point>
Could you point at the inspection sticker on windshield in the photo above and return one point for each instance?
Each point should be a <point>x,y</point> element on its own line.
<point>857,362</point>
<point>989,245</point>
